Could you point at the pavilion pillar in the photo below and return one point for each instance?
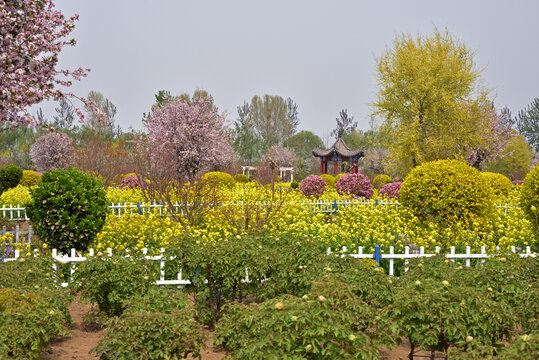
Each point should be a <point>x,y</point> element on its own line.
<point>335,166</point>
<point>321,165</point>
<point>325,167</point>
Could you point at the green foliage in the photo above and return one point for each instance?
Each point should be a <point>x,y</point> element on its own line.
<point>529,196</point>
<point>294,184</point>
<point>431,99</point>
<point>446,191</point>
<point>19,195</point>
<point>440,304</point>
<point>329,179</point>
<point>331,322</point>
<point>156,325</point>
<point>516,160</point>
<point>219,179</point>
<point>28,321</point>
<point>35,274</point>
<point>109,282</point>
<point>303,144</point>
<point>10,175</point>
<point>69,209</point>
<point>241,178</point>
<point>499,184</point>
<point>381,180</point>
<point>30,178</point>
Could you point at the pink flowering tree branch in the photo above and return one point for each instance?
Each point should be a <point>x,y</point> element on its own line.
<point>32,34</point>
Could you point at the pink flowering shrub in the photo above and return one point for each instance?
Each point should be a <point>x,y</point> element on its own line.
<point>391,190</point>
<point>312,185</point>
<point>52,151</point>
<point>355,184</point>
<point>130,182</point>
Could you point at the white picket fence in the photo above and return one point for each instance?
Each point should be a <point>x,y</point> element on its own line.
<point>18,212</point>
<point>409,253</point>
<point>19,234</point>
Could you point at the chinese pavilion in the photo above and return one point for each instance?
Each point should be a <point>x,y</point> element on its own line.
<point>338,152</point>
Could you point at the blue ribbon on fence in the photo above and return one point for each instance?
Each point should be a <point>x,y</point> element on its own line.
<point>377,254</point>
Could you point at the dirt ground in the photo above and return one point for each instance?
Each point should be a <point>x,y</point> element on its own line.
<point>84,339</point>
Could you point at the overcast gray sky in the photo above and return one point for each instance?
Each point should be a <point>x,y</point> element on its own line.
<point>320,53</point>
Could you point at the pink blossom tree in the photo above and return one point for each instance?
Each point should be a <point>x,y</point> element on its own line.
<point>186,138</point>
<point>280,156</point>
<point>32,34</point>
<point>52,151</point>
<point>492,141</point>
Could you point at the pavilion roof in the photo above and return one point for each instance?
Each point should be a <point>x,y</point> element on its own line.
<point>339,147</point>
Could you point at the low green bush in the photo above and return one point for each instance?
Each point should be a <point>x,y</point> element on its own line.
<point>241,178</point>
<point>381,180</point>
<point>499,184</point>
<point>446,192</point>
<point>28,322</point>
<point>68,210</point>
<point>30,178</point>
<point>158,324</point>
<point>220,179</point>
<point>529,196</point>
<point>329,179</point>
<point>110,281</point>
<point>10,176</point>
<point>330,322</point>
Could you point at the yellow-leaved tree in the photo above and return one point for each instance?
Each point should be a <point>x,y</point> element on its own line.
<point>431,101</point>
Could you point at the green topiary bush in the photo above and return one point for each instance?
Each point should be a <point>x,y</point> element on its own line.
<point>529,196</point>
<point>446,191</point>
<point>240,178</point>
<point>68,210</point>
<point>10,175</point>
<point>329,179</point>
<point>30,178</point>
<point>499,184</point>
<point>218,178</point>
<point>381,180</point>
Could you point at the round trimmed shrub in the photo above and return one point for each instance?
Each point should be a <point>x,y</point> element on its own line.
<point>391,190</point>
<point>355,185</point>
<point>294,184</point>
<point>19,195</point>
<point>52,151</point>
<point>529,196</point>
<point>68,210</point>
<point>30,178</point>
<point>338,176</point>
<point>446,191</point>
<point>241,178</point>
<point>499,184</point>
<point>312,185</point>
<point>10,176</point>
<point>218,178</point>
<point>381,180</point>
<point>329,179</point>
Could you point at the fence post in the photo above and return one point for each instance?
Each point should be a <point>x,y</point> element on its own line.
<point>335,205</point>
<point>138,208</point>
<point>376,202</point>
<point>377,254</point>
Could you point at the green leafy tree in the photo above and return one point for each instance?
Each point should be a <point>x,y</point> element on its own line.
<point>273,119</point>
<point>303,144</point>
<point>528,124</point>
<point>246,144</point>
<point>107,124</point>
<point>430,99</point>
<point>345,124</point>
<point>516,162</point>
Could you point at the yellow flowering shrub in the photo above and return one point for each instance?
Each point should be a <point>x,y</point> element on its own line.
<point>135,232</point>
<point>128,195</point>
<point>19,195</point>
